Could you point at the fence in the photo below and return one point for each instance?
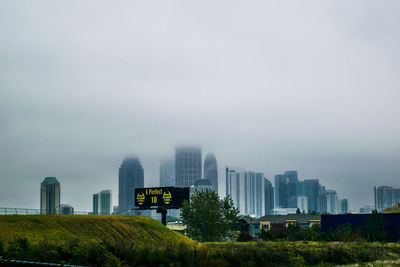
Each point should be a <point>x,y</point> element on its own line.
<point>22,211</point>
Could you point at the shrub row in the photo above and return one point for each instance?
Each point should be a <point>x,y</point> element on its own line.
<point>284,253</point>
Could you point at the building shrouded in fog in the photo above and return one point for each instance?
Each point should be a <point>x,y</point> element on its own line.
<point>211,170</point>
<point>167,172</point>
<point>269,197</point>
<point>187,166</point>
<point>49,196</point>
<point>131,176</point>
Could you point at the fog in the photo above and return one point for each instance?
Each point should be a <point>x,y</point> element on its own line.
<point>311,86</point>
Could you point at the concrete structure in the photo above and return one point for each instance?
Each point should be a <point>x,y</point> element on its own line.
<point>188,167</point>
<point>66,209</point>
<point>302,204</point>
<point>269,197</point>
<point>386,197</point>
<point>343,206</point>
<point>247,190</point>
<point>211,170</point>
<point>49,196</point>
<point>131,176</point>
<point>167,172</point>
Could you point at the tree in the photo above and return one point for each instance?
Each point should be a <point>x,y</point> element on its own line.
<point>209,218</point>
<point>298,211</point>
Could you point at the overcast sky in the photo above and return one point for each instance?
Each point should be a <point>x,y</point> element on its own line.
<point>268,86</point>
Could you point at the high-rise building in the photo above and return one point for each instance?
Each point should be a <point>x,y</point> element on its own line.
<point>211,170</point>
<point>50,196</point>
<point>343,206</point>
<point>187,166</point>
<point>96,204</point>
<point>311,191</point>
<point>131,176</point>
<point>102,202</point>
<point>269,197</point>
<point>202,185</point>
<point>322,205</point>
<point>286,186</point>
<point>247,191</point>
<point>331,201</point>
<point>386,197</point>
<point>167,172</point>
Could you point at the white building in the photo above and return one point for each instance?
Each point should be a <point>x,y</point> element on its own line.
<point>302,203</point>
<point>246,188</point>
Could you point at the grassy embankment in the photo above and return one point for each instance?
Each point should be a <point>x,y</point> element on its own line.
<point>135,240</point>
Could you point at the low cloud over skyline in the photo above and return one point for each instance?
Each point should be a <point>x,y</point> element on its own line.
<point>309,86</point>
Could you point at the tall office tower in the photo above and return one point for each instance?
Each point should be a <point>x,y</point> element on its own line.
<point>281,190</point>
<point>211,170</point>
<point>293,184</point>
<point>322,205</point>
<point>49,196</point>
<point>247,190</point>
<point>96,204</point>
<point>386,197</point>
<point>167,172</point>
<point>343,206</point>
<point>102,203</point>
<point>286,186</point>
<point>187,166</point>
<point>131,176</point>
<point>269,197</point>
<point>331,201</point>
<point>311,191</point>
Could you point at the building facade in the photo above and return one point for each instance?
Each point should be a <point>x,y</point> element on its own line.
<point>269,197</point>
<point>286,189</point>
<point>311,191</point>
<point>66,209</point>
<point>167,172</point>
<point>102,203</point>
<point>386,197</point>
<point>188,167</point>
<point>331,202</point>
<point>211,170</point>
<point>343,206</point>
<point>247,190</point>
<point>131,176</point>
<point>50,196</point>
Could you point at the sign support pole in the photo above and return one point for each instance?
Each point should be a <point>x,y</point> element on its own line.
<point>163,215</point>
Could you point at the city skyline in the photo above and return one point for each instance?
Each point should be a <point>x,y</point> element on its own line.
<point>262,86</point>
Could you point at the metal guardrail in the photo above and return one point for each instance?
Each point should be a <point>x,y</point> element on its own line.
<point>23,211</point>
<point>21,262</point>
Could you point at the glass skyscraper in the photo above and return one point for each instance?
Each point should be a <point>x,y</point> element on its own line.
<point>131,176</point>
<point>187,166</point>
<point>50,196</point>
<point>167,172</point>
<point>211,170</point>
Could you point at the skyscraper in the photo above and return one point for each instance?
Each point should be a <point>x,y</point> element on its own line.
<point>247,190</point>
<point>131,176</point>
<point>311,191</point>
<point>343,206</point>
<point>187,166</point>
<point>286,186</point>
<point>102,203</point>
<point>211,170</point>
<point>269,197</point>
<point>331,201</point>
<point>386,197</point>
<point>167,172</point>
<point>49,196</point>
